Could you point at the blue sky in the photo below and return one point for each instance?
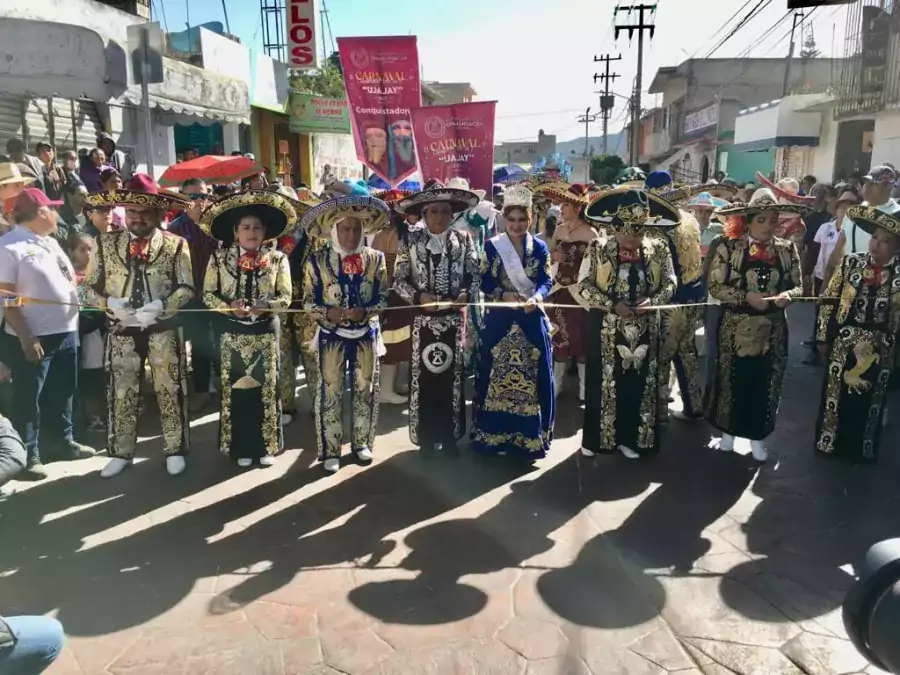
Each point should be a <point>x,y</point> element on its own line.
<point>535,56</point>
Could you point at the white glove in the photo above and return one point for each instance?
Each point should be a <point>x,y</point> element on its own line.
<point>116,303</point>
<point>147,315</point>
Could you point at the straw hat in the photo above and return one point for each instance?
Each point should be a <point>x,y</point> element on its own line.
<point>11,175</point>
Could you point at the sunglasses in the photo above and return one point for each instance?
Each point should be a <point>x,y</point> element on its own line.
<point>198,196</point>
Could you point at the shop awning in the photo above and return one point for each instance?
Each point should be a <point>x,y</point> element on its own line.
<point>794,121</point>
<point>190,94</point>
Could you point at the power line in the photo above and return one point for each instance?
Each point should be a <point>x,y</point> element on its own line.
<point>753,13</point>
<point>538,114</point>
<point>721,28</point>
<point>162,6</point>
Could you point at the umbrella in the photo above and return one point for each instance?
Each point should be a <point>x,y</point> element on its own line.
<point>376,182</point>
<point>212,169</point>
<point>510,174</point>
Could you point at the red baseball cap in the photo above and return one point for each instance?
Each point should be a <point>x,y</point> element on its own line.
<point>31,199</point>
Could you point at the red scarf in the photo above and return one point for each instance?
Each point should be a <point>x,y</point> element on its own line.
<point>352,264</point>
<point>875,275</point>
<point>251,260</point>
<point>139,249</point>
<point>627,255</point>
<point>762,253</point>
<point>287,244</point>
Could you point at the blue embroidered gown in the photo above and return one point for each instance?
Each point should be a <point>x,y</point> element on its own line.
<point>514,404</point>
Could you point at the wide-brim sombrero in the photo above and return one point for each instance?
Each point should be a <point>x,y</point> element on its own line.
<point>393,197</point>
<point>672,193</point>
<point>275,211</point>
<point>371,211</point>
<point>459,200</point>
<point>781,193</point>
<point>869,219</point>
<point>559,192</point>
<point>763,201</point>
<point>719,190</point>
<point>140,190</point>
<point>631,207</point>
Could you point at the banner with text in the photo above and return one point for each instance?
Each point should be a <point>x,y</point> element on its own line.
<point>382,79</point>
<point>456,141</point>
<point>315,114</point>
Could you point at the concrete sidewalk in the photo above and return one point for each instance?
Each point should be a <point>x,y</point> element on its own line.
<point>694,562</point>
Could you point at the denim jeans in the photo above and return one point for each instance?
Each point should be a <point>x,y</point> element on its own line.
<point>45,391</point>
<point>39,640</point>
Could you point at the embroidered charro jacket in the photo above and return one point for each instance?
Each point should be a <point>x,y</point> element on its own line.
<point>735,270</point>
<point>263,279</point>
<point>606,279</point>
<point>332,281</point>
<point>863,295</point>
<point>158,269</point>
<point>417,270</point>
<point>687,260</point>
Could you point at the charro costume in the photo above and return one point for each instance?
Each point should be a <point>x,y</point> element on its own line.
<point>678,346</point>
<point>621,407</point>
<point>250,409</point>
<point>445,266</point>
<point>569,339</point>
<point>345,280</point>
<point>751,345</point>
<point>143,281</point>
<point>296,328</point>
<point>860,322</point>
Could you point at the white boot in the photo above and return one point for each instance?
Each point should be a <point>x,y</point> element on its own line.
<point>586,452</point>
<point>727,443</point>
<point>286,419</point>
<point>245,462</point>
<point>628,452</point>
<point>114,467</point>
<point>364,455</point>
<point>267,460</point>
<point>559,375</point>
<point>758,450</point>
<point>388,395</point>
<point>581,369</point>
<point>175,465</point>
<point>332,464</point>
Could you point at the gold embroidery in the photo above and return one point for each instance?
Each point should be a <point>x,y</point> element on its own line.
<point>513,382</point>
<point>633,355</point>
<point>865,355</point>
<point>751,336</point>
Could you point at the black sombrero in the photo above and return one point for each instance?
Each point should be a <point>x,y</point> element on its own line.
<point>459,200</point>
<point>276,212</point>
<point>631,208</point>
<point>869,219</point>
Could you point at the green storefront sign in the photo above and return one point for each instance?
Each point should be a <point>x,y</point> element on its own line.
<point>315,114</point>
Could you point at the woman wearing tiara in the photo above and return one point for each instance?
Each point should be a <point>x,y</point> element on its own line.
<point>514,404</point>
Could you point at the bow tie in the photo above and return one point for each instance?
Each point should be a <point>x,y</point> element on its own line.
<point>875,275</point>
<point>627,255</point>
<point>251,260</point>
<point>139,248</point>
<point>762,253</point>
<point>352,264</point>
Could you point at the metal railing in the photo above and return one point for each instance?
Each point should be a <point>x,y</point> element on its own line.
<point>870,81</point>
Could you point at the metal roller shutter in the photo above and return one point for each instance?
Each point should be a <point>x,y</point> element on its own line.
<point>37,121</point>
<point>10,119</point>
<point>75,124</point>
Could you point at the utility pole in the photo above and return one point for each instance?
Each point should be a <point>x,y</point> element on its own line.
<point>587,118</point>
<point>790,55</point>
<point>638,27</point>
<point>607,101</point>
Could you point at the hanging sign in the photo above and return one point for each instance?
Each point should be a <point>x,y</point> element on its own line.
<point>303,53</point>
<point>382,79</point>
<point>456,141</point>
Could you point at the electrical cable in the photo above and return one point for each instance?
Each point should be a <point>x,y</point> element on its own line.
<point>753,13</point>
<point>721,28</point>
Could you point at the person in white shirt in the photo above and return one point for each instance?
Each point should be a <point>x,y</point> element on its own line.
<point>42,338</point>
<point>877,188</point>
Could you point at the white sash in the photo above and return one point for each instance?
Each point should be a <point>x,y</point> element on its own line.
<point>512,263</point>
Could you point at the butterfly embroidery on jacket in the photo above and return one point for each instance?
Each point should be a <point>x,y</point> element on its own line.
<point>633,354</point>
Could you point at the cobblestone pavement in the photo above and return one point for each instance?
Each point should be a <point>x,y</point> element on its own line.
<point>694,562</point>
